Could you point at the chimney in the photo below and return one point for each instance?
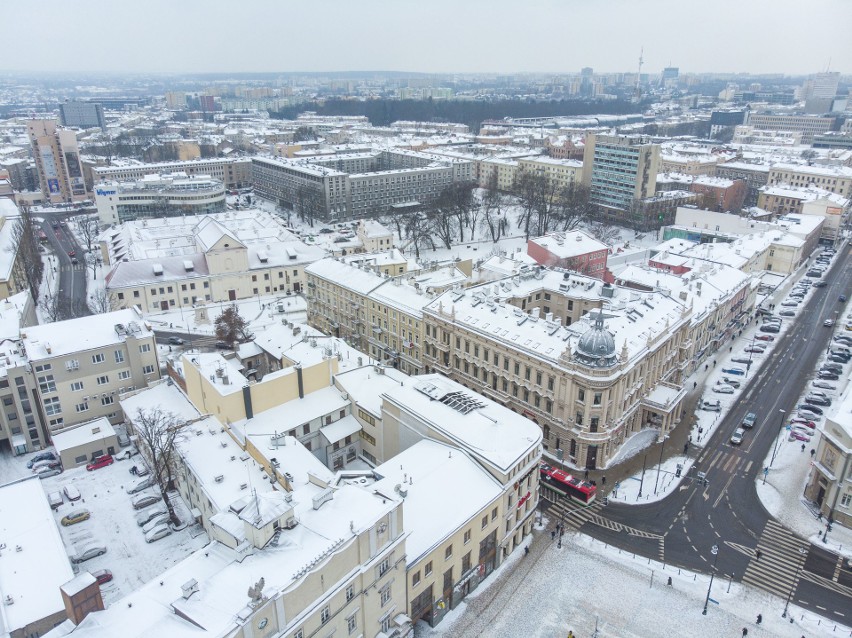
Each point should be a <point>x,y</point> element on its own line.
<point>81,596</point>
<point>300,381</point>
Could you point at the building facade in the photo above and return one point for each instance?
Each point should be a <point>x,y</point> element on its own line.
<point>233,172</point>
<point>57,158</point>
<point>574,250</point>
<point>82,114</point>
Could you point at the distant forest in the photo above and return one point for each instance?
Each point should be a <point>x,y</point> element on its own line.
<point>473,113</point>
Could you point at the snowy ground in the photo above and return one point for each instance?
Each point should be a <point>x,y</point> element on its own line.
<point>131,560</point>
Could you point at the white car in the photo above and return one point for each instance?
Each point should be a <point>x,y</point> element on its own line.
<point>161,519</point>
<point>157,533</point>
<point>146,515</point>
<point>723,389</point>
<point>90,551</point>
<point>737,436</point>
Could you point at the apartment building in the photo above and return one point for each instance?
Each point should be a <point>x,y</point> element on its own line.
<point>82,114</point>
<point>235,172</point>
<point>807,125</point>
<point>12,274</point>
<point>834,179</point>
<point>57,158</point>
<point>574,250</point>
<point>754,175</point>
<point>544,345</point>
<point>829,484</point>
<point>379,315</point>
<point>690,164</point>
<point>618,171</point>
<point>168,195</point>
<point>166,264</point>
<point>783,199</point>
<point>81,366</point>
<point>565,173</point>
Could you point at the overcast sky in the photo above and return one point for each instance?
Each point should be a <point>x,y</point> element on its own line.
<point>176,36</point>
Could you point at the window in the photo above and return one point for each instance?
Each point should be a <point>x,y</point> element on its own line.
<point>350,593</point>
<point>427,570</point>
<point>385,595</point>
<point>581,395</point>
<point>51,406</point>
<point>352,623</point>
<point>493,513</point>
<point>448,553</point>
<point>385,623</point>
<point>149,369</point>
<point>384,566</point>
<point>119,356</point>
<point>103,379</point>
<point>145,347</point>
<point>845,500</point>
<point>77,386</point>
<point>484,521</point>
<point>82,407</point>
<point>597,399</point>
<point>538,378</point>
<point>466,563</point>
<point>109,400</point>
<point>325,615</point>
<point>46,383</point>
<point>306,428</point>
<point>467,537</point>
<point>415,579</point>
<point>98,358</point>
<point>593,424</point>
<point>124,374</point>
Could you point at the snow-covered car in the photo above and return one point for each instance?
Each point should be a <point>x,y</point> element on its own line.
<point>711,406</point>
<point>787,313</point>
<point>765,338</point>
<point>740,360</point>
<point>818,400</point>
<point>790,303</point>
<point>755,349</point>
<point>41,456</point>
<point>144,500</point>
<point>825,385</point>
<point>137,487</point>
<point>723,389</point>
<point>161,519</point>
<point>146,515</point>
<point>88,552</point>
<point>71,493</point>
<point>731,382</point>
<point>803,422</point>
<point>46,463</point>
<point>157,533</point>
<point>800,435</point>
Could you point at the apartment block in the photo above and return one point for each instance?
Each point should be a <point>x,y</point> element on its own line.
<point>57,158</point>
<point>232,172</point>
<point>82,114</point>
<point>834,179</point>
<point>807,125</point>
<point>81,366</point>
<point>564,173</point>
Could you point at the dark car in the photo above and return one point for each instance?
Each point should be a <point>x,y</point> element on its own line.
<point>325,231</point>
<point>819,284</point>
<point>810,408</point>
<point>832,367</point>
<point>223,345</point>
<point>41,456</point>
<point>827,375</point>
<point>841,298</point>
<point>770,328</point>
<point>838,358</point>
<point>177,341</point>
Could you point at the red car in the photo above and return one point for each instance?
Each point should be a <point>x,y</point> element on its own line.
<point>72,253</point>
<point>765,338</point>
<point>801,421</point>
<point>102,576</point>
<point>101,461</point>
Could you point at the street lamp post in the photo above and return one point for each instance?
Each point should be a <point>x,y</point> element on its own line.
<point>778,440</point>
<point>715,551</point>
<point>662,447</point>
<point>802,551</point>
<point>642,479</point>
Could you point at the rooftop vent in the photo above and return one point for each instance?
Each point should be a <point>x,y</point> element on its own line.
<point>158,269</point>
<point>189,588</point>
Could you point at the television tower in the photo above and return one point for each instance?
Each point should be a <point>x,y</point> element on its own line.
<point>638,92</point>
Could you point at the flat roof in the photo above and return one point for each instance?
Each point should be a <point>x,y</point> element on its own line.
<point>82,434</point>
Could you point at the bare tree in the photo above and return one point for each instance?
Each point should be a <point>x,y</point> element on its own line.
<point>308,203</point>
<point>100,301</point>
<point>51,307</point>
<point>158,432</point>
<point>604,233</point>
<point>442,219</point>
<point>89,229</point>
<point>575,207</point>
<point>231,327</point>
<point>492,206</point>
<point>30,266</point>
<point>528,187</point>
<point>418,230</point>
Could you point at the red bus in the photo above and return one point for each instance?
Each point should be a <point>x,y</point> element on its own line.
<point>562,482</point>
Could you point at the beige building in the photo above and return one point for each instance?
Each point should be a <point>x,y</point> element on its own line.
<point>688,164</point>
<point>376,314</point>
<point>590,363</point>
<point>834,179</point>
<point>830,482</point>
<point>374,237</point>
<point>783,199</point>
<point>81,366</point>
<point>82,443</point>
<point>233,172</point>
<point>501,171</point>
<point>562,172</point>
<point>12,276</point>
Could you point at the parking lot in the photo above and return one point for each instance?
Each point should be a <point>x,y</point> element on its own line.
<point>131,560</point>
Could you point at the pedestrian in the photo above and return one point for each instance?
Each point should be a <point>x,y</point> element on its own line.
<point>552,534</point>
<point>803,447</point>
<point>526,549</point>
<point>759,618</point>
<point>694,384</point>
<point>758,554</point>
<point>819,516</point>
<point>813,452</point>
<point>745,631</point>
<point>571,634</point>
<point>586,475</point>
<point>603,480</point>
<point>170,348</point>
<point>669,584</point>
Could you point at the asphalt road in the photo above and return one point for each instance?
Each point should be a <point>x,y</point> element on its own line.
<point>727,512</point>
<point>71,295</point>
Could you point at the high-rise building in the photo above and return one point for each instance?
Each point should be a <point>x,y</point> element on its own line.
<point>175,100</point>
<point>82,114</point>
<point>821,85</point>
<point>57,157</point>
<point>619,170</point>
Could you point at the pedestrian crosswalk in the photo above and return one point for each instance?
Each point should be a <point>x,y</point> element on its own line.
<point>777,561</point>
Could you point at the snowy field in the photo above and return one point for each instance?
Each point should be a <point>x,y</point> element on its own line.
<point>131,560</point>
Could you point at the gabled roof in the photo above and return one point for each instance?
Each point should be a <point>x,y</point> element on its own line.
<point>208,232</point>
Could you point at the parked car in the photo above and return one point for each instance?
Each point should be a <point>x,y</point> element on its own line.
<point>723,389</point>
<point>47,472</point>
<point>176,341</point>
<point>843,339</point>
<point>764,338</point>
<point>746,360</point>
<point>810,408</point>
<point>71,493</point>
<point>790,303</point>
<point>772,328</point>
<point>99,462</point>
<point>126,454</point>
<point>75,517</point>
<point>160,519</point>
<point>157,533</point>
<point>832,366</point>
<point>123,439</point>
<point>223,345</point>
<point>137,487</point>
<point>46,463</point>
<point>55,499</point>
<point>103,576</point>
<point>140,470</point>
<point>756,349</point>
<point>144,500</point>
<point>749,419</point>
<point>146,515</point>
<point>42,456</point>
<point>737,371</point>
<point>787,313</point>
<point>737,436</point>
<point>819,284</point>
<point>825,385</point>
<point>817,400</point>
<point>828,323</point>
<point>800,435</point>
<point>837,358</point>
<point>814,273</point>
<point>711,406</point>
<point>88,552</point>
<point>797,420</point>
<point>732,382</point>
<point>827,375</point>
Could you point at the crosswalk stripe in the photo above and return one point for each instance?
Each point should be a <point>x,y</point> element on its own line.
<point>775,571</point>
<point>825,582</point>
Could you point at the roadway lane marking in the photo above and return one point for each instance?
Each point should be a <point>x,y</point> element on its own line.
<point>820,607</point>
<point>748,467</point>
<point>724,490</point>
<point>837,568</point>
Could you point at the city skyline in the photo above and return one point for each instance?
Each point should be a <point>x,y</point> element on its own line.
<point>435,37</point>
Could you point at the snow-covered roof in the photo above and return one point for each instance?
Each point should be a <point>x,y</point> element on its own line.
<point>343,274</point>
<point>569,244</point>
<point>209,231</point>
<point>131,274</point>
<point>34,563</point>
<point>11,309</point>
<point>83,333</point>
<point>82,434</point>
<point>162,395</point>
<point>841,417</point>
<point>372,228</point>
<point>9,216</point>
<point>434,507</point>
<point>340,429</point>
